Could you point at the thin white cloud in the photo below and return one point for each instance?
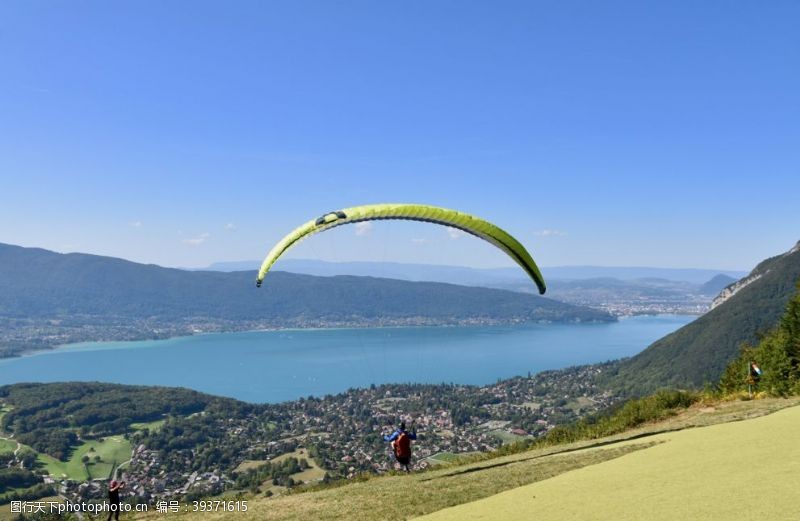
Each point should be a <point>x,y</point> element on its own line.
<point>363,228</point>
<point>136,224</point>
<point>197,241</point>
<point>549,233</point>
<point>230,227</point>
<point>420,241</point>
<point>454,233</point>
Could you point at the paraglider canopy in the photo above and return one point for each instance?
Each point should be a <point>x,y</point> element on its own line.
<point>414,212</point>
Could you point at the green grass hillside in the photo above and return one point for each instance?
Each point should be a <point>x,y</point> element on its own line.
<point>742,470</point>
<point>104,456</point>
<point>404,496</point>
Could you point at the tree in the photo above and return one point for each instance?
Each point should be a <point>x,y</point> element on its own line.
<point>790,325</point>
<point>777,354</point>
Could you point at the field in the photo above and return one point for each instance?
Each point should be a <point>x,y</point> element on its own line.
<point>580,402</point>
<point>505,436</point>
<point>249,464</point>
<point>442,458</point>
<point>112,450</point>
<point>727,471</point>
<point>7,445</point>
<point>152,426</point>
<point>399,496</point>
<point>6,514</point>
<point>659,468</point>
<point>311,475</point>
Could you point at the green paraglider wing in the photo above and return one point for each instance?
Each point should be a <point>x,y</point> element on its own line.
<point>414,212</point>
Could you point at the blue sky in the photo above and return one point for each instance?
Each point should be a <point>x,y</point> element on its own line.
<point>605,133</point>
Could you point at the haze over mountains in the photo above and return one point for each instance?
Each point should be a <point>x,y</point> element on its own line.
<point>477,276</point>
<point>48,298</point>
<point>618,290</point>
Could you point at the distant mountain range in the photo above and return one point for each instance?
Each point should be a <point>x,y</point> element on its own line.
<point>699,352</point>
<point>619,290</point>
<point>477,276</point>
<point>48,298</point>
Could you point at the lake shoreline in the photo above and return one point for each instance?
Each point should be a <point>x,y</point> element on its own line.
<point>281,365</point>
<point>67,346</point>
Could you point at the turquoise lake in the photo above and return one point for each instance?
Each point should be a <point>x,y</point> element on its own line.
<point>274,366</point>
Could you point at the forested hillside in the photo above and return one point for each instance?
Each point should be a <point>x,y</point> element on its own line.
<point>699,352</point>
<point>48,298</point>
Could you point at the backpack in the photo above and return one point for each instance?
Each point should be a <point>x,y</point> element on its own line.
<point>402,445</point>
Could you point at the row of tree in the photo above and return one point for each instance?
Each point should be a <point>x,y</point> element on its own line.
<point>772,366</point>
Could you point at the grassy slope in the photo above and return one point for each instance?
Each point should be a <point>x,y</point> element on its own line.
<point>112,450</point>
<point>6,444</point>
<point>313,474</point>
<point>742,470</point>
<point>7,515</point>
<point>400,497</point>
<point>151,426</point>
